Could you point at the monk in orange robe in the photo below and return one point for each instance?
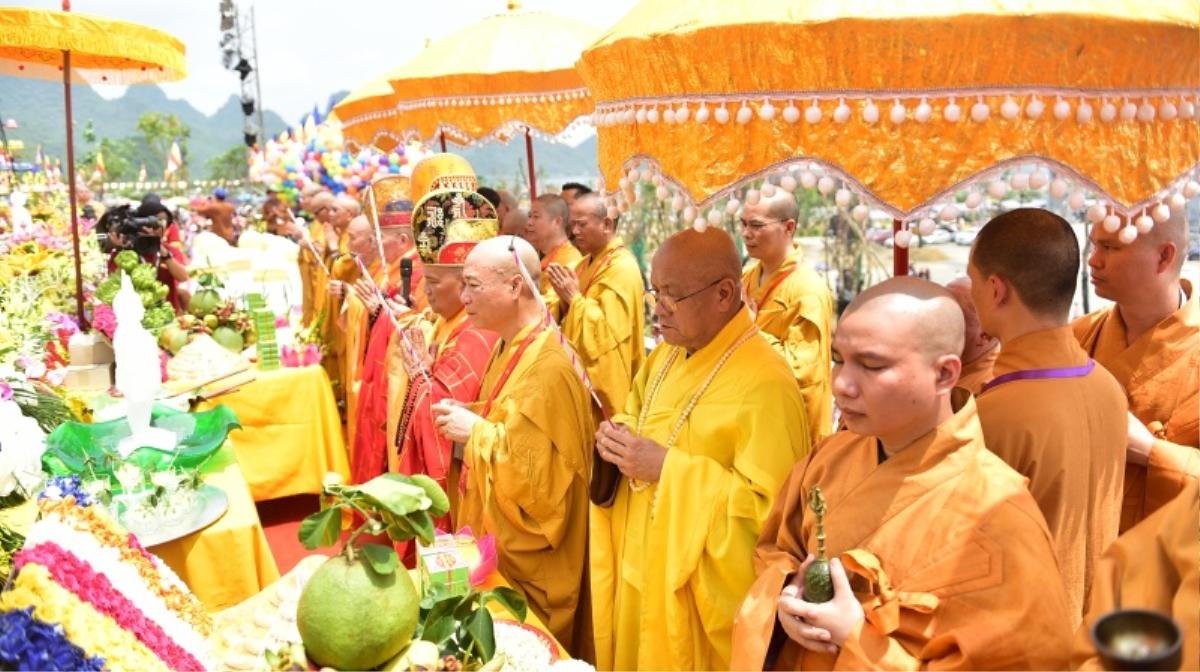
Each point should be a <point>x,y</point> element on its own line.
<point>939,555</point>
<point>1150,341</point>
<point>980,349</point>
<point>454,365</point>
<point>1152,566</point>
<point>1050,412</point>
<point>546,230</point>
<point>527,449</point>
<point>791,304</point>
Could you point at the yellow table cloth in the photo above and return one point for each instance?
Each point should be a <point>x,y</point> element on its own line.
<point>229,560</point>
<point>291,433</point>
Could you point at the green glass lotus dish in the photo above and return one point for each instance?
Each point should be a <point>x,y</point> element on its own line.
<point>79,448</point>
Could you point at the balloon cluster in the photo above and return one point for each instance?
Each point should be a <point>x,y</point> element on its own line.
<point>292,162</point>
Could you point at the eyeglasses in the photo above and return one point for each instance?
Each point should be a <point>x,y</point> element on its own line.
<point>671,303</point>
<point>756,225</point>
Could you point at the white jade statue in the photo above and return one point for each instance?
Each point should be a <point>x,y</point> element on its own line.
<point>139,376</point>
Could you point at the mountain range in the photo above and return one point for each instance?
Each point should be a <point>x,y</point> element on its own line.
<point>37,107</point>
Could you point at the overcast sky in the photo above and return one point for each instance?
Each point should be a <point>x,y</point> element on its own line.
<point>309,49</point>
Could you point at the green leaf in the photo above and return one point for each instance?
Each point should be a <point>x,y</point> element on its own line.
<point>394,496</point>
<point>381,558</point>
<point>423,526</point>
<point>512,600</point>
<point>440,623</point>
<point>321,528</point>
<point>480,627</point>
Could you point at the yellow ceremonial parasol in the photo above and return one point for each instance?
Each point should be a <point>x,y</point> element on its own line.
<point>84,49</point>
<point>909,104</point>
<point>509,73</point>
<point>368,116</point>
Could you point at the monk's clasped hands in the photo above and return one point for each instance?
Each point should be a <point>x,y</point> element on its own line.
<point>637,457</point>
<point>564,282</point>
<point>453,420</point>
<point>824,626</point>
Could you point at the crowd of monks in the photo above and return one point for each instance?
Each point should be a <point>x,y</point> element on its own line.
<point>997,477</point>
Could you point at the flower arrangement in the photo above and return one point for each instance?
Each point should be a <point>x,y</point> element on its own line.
<point>82,581</point>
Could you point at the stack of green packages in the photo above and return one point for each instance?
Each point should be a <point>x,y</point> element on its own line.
<point>264,327</point>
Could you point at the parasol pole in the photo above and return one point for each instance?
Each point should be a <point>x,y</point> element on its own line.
<point>66,5</point>
<point>899,254</point>
<point>442,140</point>
<point>529,157</point>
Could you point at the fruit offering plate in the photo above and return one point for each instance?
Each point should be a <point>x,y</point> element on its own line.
<point>243,634</point>
<point>91,449</point>
<point>194,510</point>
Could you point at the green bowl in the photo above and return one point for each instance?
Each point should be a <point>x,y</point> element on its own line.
<point>79,448</point>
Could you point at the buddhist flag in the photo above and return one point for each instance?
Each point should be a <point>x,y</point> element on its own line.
<point>100,164</point>
<point>39,159</point>
<point>174,161</point>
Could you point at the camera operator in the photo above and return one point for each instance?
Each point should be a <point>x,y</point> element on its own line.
<point>150,231</point>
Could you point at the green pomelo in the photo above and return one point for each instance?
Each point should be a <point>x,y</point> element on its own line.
<point>229,338</point>
<point>204,302</point>
<point>351,618</point>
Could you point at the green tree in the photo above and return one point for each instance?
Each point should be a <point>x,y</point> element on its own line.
<point>121,158</point>
<point>89,132</point>
<point>159,131</point>
<point>230,165</point>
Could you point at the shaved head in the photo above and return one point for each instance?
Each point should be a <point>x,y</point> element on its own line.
<point>780,205</point>
<point>975,341</point>
<point>348,203</point>
<point>1035,252</point>
<point>496,256</point>
<point>1173,231</point>
<point>896,360</point>
<point>514,223</point>
<point>696,277</point>
<point>710,254</point>
<point>929,312</point>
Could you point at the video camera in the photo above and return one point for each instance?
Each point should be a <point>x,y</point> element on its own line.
<point>121,229</point>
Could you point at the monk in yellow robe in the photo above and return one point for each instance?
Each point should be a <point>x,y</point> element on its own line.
<point>1150,341</point>
<point>1050,412</point>
<point>711,426</point>
<point>527,449</point>
<point>343,273</point>
<point>602,303</point>
<point>1152,566</point>
<point>313,259</point>
<point>980,349</point>
<point>791,303</point>
<point>546,230</point>
<point>938,555</point>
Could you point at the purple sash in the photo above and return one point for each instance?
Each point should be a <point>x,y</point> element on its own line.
<point>1041,374</point>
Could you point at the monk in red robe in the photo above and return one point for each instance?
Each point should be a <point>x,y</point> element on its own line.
<point>453,367</point>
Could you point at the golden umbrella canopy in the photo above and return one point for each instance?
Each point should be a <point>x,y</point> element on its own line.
<point>368,116</point>
<point>84,49</point>
<point>103,51</point>
<point>904,102</point>
<point>509,73</point>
